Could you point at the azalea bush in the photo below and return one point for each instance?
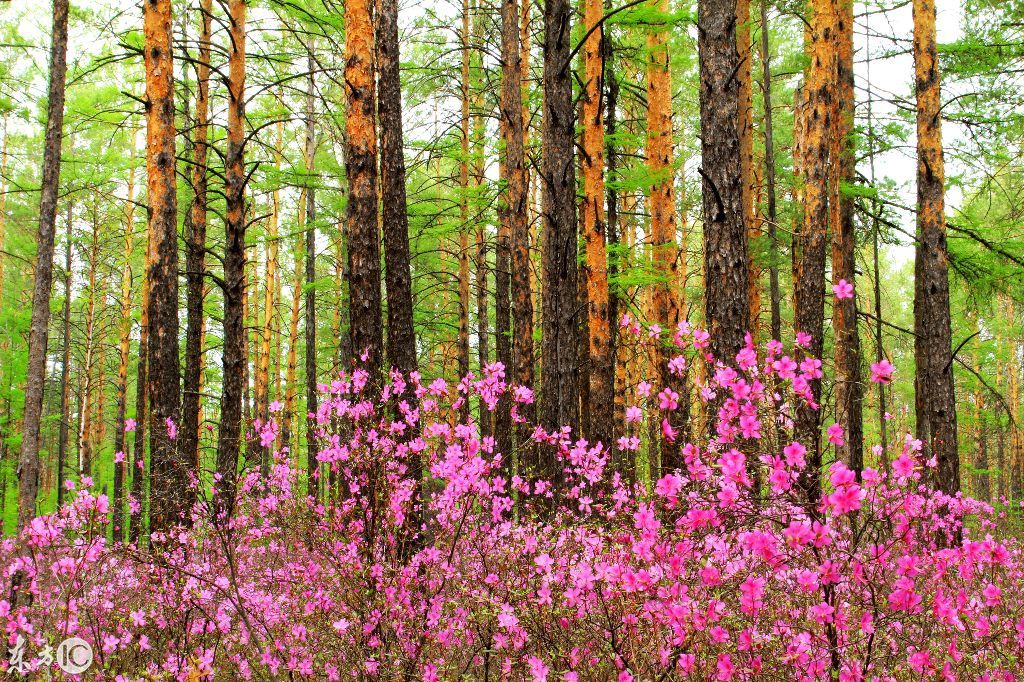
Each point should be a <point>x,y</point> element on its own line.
<point>720,570</point>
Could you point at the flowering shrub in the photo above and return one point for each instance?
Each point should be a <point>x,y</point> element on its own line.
<point>704,574</point>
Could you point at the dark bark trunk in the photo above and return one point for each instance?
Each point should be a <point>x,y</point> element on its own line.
<point>397,261</point>
<point>933,349</point>
<point>725,235</point>
<point>195,248</point>
<point>559,271</point>
<point>311,390</point>
<point>28,463</point>
<point>769,175</point>
<point>234,358</point>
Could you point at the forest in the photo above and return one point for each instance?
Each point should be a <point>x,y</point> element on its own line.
<point>471,339</point>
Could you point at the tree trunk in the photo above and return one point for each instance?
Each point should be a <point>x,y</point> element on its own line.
<point>65,365</point>
<point>138,491</point>
<point>195,247</point>
<point>933,352</point>
<point>262,379</point>
<point>35,375</point>
<point>170,489</point>
<point>809,260</point>
<point>746,132</point>
<point>310,236</point>
<point>85,440</point>
<point>665,250</point>
<point>234,357</point>
<point>518,228</point>
<point>849,384</point>
<point>401,336</point>
<point>559,298</point>
<point>288,422</point>
<point>124,348</point>
<point>725,237</point>
<point>769,174</point>
<point>599,349</point>
<point>464,210</point>
<point>361,161</point>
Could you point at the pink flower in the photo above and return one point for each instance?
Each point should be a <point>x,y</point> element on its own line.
<point>836,434</point>
<point>129,425</point>
<point>172,428</point>
<point>881,372</point>
<point>843,289</point>
<point>803,339</point>
<point>538,671</point>
<point>119,457</point>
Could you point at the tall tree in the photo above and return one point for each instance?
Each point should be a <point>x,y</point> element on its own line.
<point>169,475</point>
<point>849,384</point>
<point>63,432</point>
<point>361,163</point>
<point>601,375</point>
<point>464,122</point>
<point>124,350</point>
<point>234,283</point>
<point>725,237</point>
<point>28,463</point>
<point>560,299</point>
<point>746,131</point>
<point>516,212</point>
<point>933,347</point>
<point>769,177</point>
<point>820,112</point>
<point>195,244</point>
<point>665,307</point>
<point>310,237</point>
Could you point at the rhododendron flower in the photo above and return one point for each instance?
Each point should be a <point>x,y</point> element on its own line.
<point>803,339</point>
<point>842,289</point>
<point>881,372</point>
<point>836,434</point>
<point>668,399</point>
<point>172,428</point>
<point>119,457</point>
<point>634,414</point>
<point>129,425</point>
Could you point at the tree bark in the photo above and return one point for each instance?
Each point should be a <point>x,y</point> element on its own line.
<point>310,236</point>
<point>746,133</point>
<point>769,174</point>
<point>464,209</point>
<point>361,161</point>
<point>397,261</point>
<point>35,375</point>
<point>933,350</point>
<point>559,299</point>
<point>65,366</point>
<point>665,251</point>
<point>725,237</point>
<point>234,356</point>
<point>124,348</point>
<point>518,228</point>
<point>849,383</point>
<point>809,258</point>
<point>601,375</point>
<point>262,383</point>
<point>195,246</point>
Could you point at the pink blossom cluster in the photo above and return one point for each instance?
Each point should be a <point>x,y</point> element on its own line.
<point>716,571</point>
